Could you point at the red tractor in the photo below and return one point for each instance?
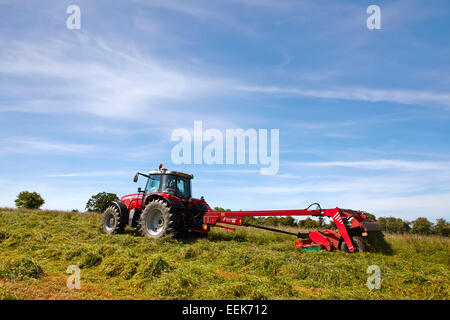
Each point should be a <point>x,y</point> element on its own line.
<point>166,208</point>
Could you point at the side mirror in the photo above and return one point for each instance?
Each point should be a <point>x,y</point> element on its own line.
<point>136,178</point>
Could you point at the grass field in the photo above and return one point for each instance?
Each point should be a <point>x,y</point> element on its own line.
<point>36,248</point>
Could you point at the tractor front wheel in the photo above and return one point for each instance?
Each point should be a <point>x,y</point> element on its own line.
<point>157,221</point>
<point>358,244</point>
<point>112,222</point>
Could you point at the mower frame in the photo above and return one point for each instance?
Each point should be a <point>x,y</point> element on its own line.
<point>326,238</point>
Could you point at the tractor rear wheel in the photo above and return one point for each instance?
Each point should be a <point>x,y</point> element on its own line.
<point>157,221</point>
<point>358,244</point>
<point>112,222</point>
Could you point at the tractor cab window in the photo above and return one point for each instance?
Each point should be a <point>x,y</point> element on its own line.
<point>170,184</point>
<point>183,188</point>
<point>179,186</point>
<point>153,184</point>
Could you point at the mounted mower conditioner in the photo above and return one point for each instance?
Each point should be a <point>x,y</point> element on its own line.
<point>166,208</point>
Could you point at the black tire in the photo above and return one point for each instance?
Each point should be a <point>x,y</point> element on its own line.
<point>197,223</point>
<point>358,244</point>
<point>112,221</point>
<point>157,221</point>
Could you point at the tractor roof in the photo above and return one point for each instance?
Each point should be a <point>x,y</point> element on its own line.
<point>165,171</point>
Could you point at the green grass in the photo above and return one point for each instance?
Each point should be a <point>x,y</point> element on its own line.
<point>37,247</point>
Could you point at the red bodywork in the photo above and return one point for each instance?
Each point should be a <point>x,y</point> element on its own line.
<point>327,239</point>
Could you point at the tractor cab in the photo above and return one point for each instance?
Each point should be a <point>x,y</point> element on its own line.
<point>170,182</point>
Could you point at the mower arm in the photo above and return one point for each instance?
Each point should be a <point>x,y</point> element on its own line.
<point>211,218</point>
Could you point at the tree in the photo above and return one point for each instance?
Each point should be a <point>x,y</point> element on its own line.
<point>442,228</point>
<point>272,221</point>
<point>310,223</point>
<point>220,209</point>
<point>249,219</point>
<point>394,225</point>
<point>29,200</point>
<point>287,221</point>
<point>370,216</point>
<point>421,226</point>
<point>321,222</point>
<point>101,201</point>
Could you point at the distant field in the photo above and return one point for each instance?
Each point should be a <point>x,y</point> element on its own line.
<point>36,248</point>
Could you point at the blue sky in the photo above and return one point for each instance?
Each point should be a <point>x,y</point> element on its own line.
<point>364,115</point>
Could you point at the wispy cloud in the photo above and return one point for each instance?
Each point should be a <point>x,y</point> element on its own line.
<point>359,94</point>
<point>90,174</point>
<point>39,146</point>
<point>204,11</point>
<point>382,164</point>
<point>341,136</point>
<point>394,184</point>
<point>110,81</point>
<point>107,81</point>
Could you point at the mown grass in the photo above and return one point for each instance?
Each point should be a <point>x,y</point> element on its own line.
<point>37,247</point>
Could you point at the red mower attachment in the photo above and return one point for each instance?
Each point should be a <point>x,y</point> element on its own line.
<point>349,237</point>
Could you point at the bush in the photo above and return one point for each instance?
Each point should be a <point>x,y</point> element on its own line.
<point>370,216</point>
<point>29,200</point>
<point>220,209</point>
<point>287,221</point>
<point>395,225</point>
<point>421,226</point>
<point>442,228</point>
<point>101,201</point>
<point>254,220</point>
<point>272,221</point>
<point>310,223</point>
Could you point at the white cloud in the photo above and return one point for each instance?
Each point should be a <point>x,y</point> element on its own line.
<point>91,174</point>
<point>118,81</point>
<point>204,11</point>
<point>341,136</point>
<point>39,146</point>
<point>382,164</point>
<point>106,80</point>
<point>359,94</point>
<point>386,185</point>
